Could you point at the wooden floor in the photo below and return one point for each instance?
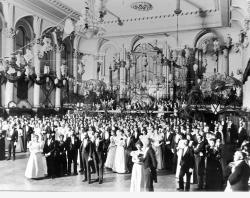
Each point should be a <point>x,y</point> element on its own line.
<point>12,179</point>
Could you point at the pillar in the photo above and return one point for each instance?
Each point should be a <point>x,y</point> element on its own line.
<point>75,55</point>
<point>8,11</point>
<point>155,68</point>
<point>246,93</point>
<point>122,78</point>
<point>37,59</point>
<point>110,78</point>
<point>37,71</point>
<point>167,80</point>
<point>226,61</point>
<point>58,75</point>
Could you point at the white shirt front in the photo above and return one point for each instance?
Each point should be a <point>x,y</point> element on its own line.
<point>145,152</point>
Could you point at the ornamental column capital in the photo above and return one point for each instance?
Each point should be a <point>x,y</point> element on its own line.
<point>10,33</point>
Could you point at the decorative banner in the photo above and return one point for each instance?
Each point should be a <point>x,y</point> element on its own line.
<point>215,108</point>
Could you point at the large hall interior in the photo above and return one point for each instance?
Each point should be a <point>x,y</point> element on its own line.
<point>124,95</point>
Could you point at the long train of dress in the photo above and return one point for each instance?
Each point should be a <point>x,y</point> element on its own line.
<point>35,166</point>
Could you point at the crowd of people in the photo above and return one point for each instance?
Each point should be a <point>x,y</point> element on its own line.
<point>137,105</point>
<point>141,145</point>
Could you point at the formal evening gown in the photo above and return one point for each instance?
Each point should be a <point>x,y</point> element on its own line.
<point>158,150</point>
<point>120,156</point>
<point>35,167</point>
<point>111,153</point>
<point>179,154</point>
<point>19,146</point>
<point>138,174</point>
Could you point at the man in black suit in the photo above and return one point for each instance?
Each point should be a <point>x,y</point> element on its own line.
<point>130,146</point>
<point>150,165</point>
<point>199,154</point>
<point>49,152</point>
<point>87,150</point>
<point>98,157</point>
<point>187,166</point>
<point>240,174</point>
<point>27,131</point>
<point>169,148</point>
<point>72,147</point>
<point>61,160</point>
<point>242,134</point>
<point>12,137</point>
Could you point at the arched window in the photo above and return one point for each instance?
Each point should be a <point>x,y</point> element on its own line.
<point>21,39</point>
<point>67,55</point>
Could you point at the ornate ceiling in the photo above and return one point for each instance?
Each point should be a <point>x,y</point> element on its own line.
<point>153,16</point>
<point>124,10</point>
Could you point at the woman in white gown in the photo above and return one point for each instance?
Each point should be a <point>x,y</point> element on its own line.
<point>35,167</point>
<point>120,155</point>
<point>138,175</point>
<point>179,154</point>
<point>111,152</point>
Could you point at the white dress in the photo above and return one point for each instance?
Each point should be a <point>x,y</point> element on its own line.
<point>138,174</point>
<point>179,154</point>
<point>35,167</point>
<point>120,156</point>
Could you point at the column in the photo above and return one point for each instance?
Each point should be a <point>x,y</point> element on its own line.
<point>36,93</point>
<point>8,11</point>
<point>122,78</point>
<point>58,75</point>
<point>75,55</point>
<point>37,59</point>
<point>110,78</point>
<point>226,61</point>
<point>134,65</point>
<point>167,80</point>
<point>9,90</point>
<point>246,93</point>
<point>155,68</point>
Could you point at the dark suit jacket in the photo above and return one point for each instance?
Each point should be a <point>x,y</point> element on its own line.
<point>50,148</point>
<point>72,149</point>
<point>200,160</point>
<point>150,162</point>
<point>98,152</point>
<point>14,136</point>
<point>88,150</point>
<point>28,132</point>
<point>242,135</point>
<point>170,138</point>
<point>239,178</point>
<point>187,160</point>
<point>131,144</point>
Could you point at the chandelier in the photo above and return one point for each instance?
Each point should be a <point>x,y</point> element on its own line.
<point>91,21</point>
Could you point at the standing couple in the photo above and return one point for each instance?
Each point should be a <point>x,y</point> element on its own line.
<point>144,168</point>
<point>92,151</point>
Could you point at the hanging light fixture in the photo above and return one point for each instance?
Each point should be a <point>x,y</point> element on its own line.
<point>90,23</point>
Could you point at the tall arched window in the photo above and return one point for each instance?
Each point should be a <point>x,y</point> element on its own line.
<point>21,39</point>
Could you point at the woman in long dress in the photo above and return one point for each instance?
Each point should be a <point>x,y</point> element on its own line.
<point>120,155</point>
<point>35,167</point>
<point>157,141</point>
<point>179,154</point>
<point>138,175</point>
<point>19,146</point>
<point>111,151</point>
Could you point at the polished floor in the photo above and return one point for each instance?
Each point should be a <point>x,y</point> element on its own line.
<point>12,179</point>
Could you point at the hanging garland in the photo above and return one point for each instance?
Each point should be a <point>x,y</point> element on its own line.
<point>2,78</point>
<point>58,83</point>
<point>12,77</point>
<point>42,79</point>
